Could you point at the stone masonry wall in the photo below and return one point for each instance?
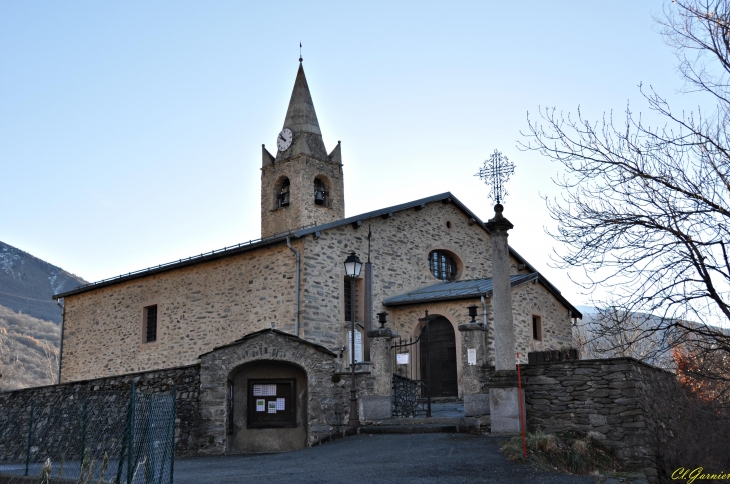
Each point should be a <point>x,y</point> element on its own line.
<point>611,398</point>
<point>533,299</point>
<point>302,211</point>
<point>213,303</point>
<point>109,398</point>
<point>399,249</point>
<point>199,307</point>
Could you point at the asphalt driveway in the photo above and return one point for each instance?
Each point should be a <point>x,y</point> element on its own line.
<point>442,458</point>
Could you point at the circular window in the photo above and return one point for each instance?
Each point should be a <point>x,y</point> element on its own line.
<point>442,265</point>
<point>448,224</point>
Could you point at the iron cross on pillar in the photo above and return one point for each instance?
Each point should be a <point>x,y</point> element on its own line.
<point>495,172</point>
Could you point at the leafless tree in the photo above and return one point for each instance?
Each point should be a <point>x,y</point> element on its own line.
<point>50,351</point>
<point>645,211</point>
<point>615,333</point>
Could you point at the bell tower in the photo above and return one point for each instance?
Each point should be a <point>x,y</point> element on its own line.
<point>302,185</point>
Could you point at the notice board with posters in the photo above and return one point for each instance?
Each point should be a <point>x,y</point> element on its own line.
<point>271,403</point>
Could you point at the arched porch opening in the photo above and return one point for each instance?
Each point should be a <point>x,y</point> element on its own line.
<point>267,407</point>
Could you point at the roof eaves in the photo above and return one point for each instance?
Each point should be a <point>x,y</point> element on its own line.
<point>214,255</point>
<point>418,298</point>
<point>454,297</point>
<point>441,197</point>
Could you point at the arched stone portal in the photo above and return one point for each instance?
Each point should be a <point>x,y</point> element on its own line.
<point>226,376</point>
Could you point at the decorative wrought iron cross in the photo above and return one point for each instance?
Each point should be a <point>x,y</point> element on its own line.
<point>496,172</point>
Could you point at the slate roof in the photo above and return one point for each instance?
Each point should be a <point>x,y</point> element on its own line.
<point>449,291</point>
<point>469,289</point>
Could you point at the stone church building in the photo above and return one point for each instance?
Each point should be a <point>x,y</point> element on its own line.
<point>266,324</point>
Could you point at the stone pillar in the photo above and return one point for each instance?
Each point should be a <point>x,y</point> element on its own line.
<point>504,397</point>
<point>504,333</point>
<point>473,338</point>
<point>378,404</point>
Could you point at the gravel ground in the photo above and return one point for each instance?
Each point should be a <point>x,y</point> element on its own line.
<point>442,458</point>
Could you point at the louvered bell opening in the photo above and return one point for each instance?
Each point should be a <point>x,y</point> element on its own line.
<point>284,196</point>
<point>320,195</point>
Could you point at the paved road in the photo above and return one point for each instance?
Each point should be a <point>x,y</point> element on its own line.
<point>424,458</point>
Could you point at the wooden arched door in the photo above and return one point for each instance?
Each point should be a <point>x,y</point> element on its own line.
<point>441,341</point>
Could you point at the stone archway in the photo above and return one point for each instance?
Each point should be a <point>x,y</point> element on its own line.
<point>269,354</point>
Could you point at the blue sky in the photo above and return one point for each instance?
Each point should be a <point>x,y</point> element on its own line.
<point>131,132</point>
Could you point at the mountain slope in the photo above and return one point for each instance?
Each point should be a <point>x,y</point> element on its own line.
<point>28,350</point>
<point>27,284</point>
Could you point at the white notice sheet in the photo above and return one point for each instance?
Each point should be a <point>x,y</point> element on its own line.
<point>264,390</point>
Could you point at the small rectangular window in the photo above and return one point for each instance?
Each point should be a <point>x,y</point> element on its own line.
<point>537,328</point>
<point>150,324</point>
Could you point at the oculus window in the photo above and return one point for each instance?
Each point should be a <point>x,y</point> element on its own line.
<point>442,265</point>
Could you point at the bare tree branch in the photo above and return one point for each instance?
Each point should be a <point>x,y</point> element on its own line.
<point>645,211</point>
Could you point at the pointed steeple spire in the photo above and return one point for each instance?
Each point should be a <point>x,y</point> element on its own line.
<point>301,119</point>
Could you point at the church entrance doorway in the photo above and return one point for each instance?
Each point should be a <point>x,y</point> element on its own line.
<point>424,367</point>
<point>440,345</point>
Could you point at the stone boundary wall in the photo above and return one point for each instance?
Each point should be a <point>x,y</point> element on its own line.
<point>612,398</point>
<point>185,379</point>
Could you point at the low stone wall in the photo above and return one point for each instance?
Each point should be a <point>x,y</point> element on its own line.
<point>613,398</point>
<point>112,393</point>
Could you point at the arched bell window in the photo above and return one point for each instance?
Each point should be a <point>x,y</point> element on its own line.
<point>320,193</point>
<point>282,198</point>
<point>442,265</point>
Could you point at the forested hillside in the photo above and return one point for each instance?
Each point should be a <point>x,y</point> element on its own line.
<point>28,350</point>
<point>27,284</point>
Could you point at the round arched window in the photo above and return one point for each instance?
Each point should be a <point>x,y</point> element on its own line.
<point>442,265</point>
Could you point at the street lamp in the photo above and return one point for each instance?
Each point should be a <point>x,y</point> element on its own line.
<point>352,270</point>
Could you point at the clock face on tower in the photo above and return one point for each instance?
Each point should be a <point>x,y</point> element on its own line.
<point>283,141</point>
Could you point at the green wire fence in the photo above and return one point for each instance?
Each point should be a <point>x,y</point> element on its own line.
<point>123,437</point>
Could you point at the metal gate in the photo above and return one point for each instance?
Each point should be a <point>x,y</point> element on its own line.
<point>411,374</point>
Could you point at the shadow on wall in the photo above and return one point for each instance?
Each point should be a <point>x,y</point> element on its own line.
<point>267,408</point>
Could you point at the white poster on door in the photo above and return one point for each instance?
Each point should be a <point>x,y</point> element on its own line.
<point>402,358</point>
